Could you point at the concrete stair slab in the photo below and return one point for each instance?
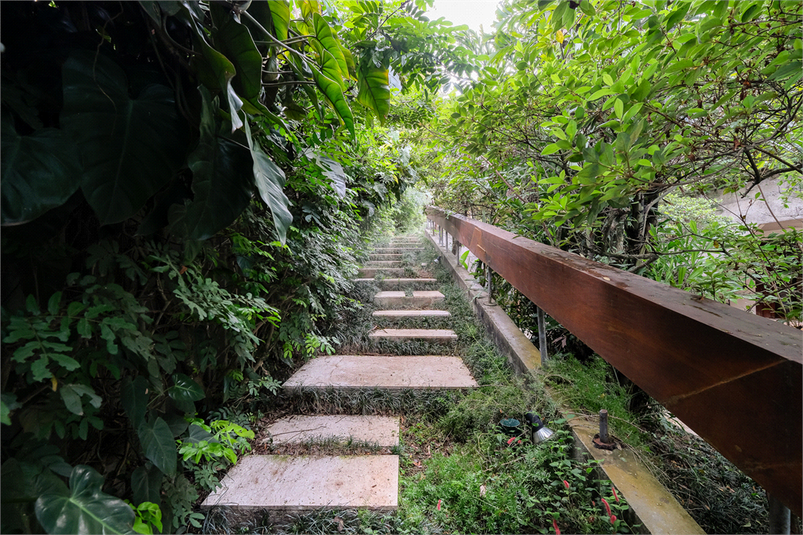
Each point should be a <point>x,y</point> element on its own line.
<point>384,263</point>
<point>282,482</point>
<point>386,256</point>
<point>398,282</point>
<point>400,335</point>
<point>371,272</point>
<point>411,314</point>
<point>380,430</point>
<point>398,298</point>
<point>380,372</point>
<point>397,250</point>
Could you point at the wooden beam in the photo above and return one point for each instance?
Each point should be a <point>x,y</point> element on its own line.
<point>735,378</point>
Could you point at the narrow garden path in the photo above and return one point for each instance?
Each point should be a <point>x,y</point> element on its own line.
<point>301,480</point>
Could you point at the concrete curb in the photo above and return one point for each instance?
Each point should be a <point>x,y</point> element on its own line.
<point>651,504</point>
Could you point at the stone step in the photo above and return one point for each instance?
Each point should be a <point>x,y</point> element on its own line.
<point>382,372</point>
<point>371,272</point>
<point>398,283</point>
<point>382,431</point>
<point>384,263</point>
<point>411,314</point>
<point>400,335</point>
<point>386,256</point>
<point>398,298</point>
<point>287,483</point>
<point>397,250</point>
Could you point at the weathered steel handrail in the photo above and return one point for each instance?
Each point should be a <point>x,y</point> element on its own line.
<point>734,378</point>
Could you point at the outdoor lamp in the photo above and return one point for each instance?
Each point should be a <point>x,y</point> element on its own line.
<point>539,430</point>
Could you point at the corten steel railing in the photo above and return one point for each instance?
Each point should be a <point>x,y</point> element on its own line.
<point>735,378</point>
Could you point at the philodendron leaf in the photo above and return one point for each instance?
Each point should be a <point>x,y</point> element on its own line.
<point>85,508</point>
<point>270,180</point>
<point>236,43</point>
<point>160,448</point>
<point>135,399</point>
<point>221,182</point>
<point>280,12</point>
<point>374,89</point>
<point>215,70</point>
<point>325,36</point>
<point>146,482</point>
<point>185,389</point>
<point>331,169</point>
<point>39,171</point>
<point>129,147</point>
<point>334,93</point>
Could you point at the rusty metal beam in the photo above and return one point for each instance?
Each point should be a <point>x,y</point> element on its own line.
<point>735,378</point>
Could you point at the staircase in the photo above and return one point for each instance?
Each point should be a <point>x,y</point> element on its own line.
<point>312,482</point>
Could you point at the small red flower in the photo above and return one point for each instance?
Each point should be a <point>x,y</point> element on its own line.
<point>614,493</point>
<point>555,525</point>
<point>607,507</point>
<point>566,484</point>
<point>613,519</point>
<point>439,505</point>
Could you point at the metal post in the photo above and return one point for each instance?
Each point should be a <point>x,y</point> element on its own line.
<point>541,334</point>
<point>440,235</point>
<point>603,426</point>
<point>489,280</point>
<point>780,519</point>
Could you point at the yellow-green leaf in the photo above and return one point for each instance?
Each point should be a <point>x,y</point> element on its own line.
<point>280,13</point>
<point>374,90</point>
<point>334,93</point>
<point>327,38</point>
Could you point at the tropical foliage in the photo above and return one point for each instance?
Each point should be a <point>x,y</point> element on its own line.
<point>184,190</point>
<point>585,115</point>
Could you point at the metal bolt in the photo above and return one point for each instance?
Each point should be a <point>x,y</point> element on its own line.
<point>603,426</point>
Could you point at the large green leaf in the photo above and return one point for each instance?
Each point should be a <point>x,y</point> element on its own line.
<point>374,89</point>
<point>216,72</point>
<point>146,484</point>
<point>160,448</point>
<point>135,399</point>
<point>327,38</point>
<point>270,180</point>
<point>280,11</point>
<point>334,93</point>
<point>332,169</point>
<point>39,171</point>
<point>185,389</point>
<point>236,43</point>
<point>221,182</point>
<point>85,508</point>
<point>129,147</point>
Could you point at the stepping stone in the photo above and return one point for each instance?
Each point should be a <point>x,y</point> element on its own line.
<point>411,314</point>
<point>384,263</point>
<point>283,482</point>
<point>395,250</point>
<point>397,298</point>
<point>380,430</point>
<point>396,283</point>
<point>400,335</point>
<point>370,272</point>
<point>386,256</point>
<point>391,373</point>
